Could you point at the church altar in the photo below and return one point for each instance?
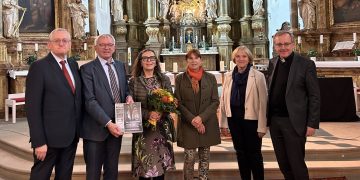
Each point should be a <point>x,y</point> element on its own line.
<point>209,61</point>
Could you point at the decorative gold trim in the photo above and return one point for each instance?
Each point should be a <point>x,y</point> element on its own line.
<point>354,24</point>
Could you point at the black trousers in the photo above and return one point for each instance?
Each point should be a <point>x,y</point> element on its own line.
<point>289,149</point>
<point>99,153</point>
<point>247,145</point>
<point>61,158</point>
<point>162,177</point>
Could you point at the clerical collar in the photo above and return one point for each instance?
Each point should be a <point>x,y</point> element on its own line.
<point>287,59</point>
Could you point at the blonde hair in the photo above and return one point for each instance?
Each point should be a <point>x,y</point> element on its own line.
<point>245,50</point>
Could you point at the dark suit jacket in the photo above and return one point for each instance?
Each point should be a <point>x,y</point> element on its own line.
<point>53,111</point>
<point>302,93</point>
<point>99,101</point>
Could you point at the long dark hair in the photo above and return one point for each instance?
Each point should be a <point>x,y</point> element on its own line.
<point>137,69</point>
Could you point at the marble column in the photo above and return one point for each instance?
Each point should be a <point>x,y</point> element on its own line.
<point>245,23</point>
<point>224,42</point>
<point>1,19</point>
<point>152,27</point>
<point>294,15</point>
<point>92,17</point>
<point>133,38</point>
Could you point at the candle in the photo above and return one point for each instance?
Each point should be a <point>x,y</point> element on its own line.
<point>85,46</point>
<point>181,40</point>
<point>175,67</point>
<point>299,39</point>
<point>321,39</point>
<point>129,56</point>
<point>19,47</point>
<point>222,66</point>
<point>164,41</point>
<point>212,40</point>
<point>173,42</point>
<point>203,38</point>
<point>354,37</point>
<point>196,39</point>
<point>232,65</point>
<point>36,47</point>
<point>162,67</point>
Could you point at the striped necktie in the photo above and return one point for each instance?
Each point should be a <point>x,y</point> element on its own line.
<point>113,84</point>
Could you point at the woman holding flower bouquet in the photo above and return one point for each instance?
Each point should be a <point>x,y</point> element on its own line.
<point>196,91</point>
<point>152,151</point>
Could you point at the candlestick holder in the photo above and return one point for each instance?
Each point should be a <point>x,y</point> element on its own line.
<point>19,57</point>
<point>321,52</point>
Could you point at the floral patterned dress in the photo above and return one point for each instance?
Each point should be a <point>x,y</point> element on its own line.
<point>152,152</point>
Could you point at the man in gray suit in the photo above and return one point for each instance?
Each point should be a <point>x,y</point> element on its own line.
<point>294,105</point>
<point>105,84</point>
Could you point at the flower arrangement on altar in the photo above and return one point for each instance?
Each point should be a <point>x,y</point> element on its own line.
<point>163,101</point>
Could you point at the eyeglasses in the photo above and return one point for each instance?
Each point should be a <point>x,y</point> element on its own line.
<point>58,41</point>
<point>105,45</point>
<point>148,59</point>
<point>285,44</point>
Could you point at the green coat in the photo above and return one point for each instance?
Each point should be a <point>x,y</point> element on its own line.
<point>188,136</point>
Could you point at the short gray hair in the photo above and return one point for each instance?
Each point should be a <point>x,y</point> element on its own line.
<point>282,32</point>
<point>104,36</point>
<point>58,30</point>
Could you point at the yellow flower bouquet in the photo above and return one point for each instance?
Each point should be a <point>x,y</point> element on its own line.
<point>163,101</point>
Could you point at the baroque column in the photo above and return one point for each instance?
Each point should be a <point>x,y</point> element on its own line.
<point>224,42</point>
<point>152,27</point>
<point>120,31</point>
<point>245,23</point>
<point>92,27</point>
<point>133,38</point>
<point>294,15</point>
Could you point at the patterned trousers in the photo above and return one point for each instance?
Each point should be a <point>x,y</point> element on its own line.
<point>190,156</point>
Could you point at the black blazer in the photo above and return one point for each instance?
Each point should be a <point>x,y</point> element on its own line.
<point>53,111</point>
<point>99,101</point>
<point>302,93</point>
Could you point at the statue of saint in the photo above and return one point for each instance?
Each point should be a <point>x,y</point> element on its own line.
<point>202,10</point>
<point>258,8</point>
<point>307,13</point>
<point>174,12</point>
<point>164,8</point>
<point>78,14</point>
<point>117,10</point>
<point>11,18</point>
<point>211,7</point>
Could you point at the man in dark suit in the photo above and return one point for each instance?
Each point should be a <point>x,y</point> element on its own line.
<point>294,105</point>
<point>53,107</point>
<point>104,85</point>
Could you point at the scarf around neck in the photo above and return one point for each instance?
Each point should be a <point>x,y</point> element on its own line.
<point>195,78</point>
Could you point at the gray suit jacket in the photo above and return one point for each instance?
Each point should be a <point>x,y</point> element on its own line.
<point>99,102</point>
<point>302,93</point>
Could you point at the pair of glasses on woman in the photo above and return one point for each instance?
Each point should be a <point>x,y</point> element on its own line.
<point>148,59</point>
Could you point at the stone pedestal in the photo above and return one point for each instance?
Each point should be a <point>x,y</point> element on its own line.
<point>120,32</point>
<point>246,32</point>
<point>260,48</point>
<point>224,42</point>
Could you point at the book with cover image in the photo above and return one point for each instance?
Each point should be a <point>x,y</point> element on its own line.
<point>128,117</point>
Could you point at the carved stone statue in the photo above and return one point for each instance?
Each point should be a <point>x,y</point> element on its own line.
<point>307,12</point>
<point>202,10</point>
<point>211,6</point>
<point>11,18</point>
<point>164,8</point>
<point>258,8</point>
<point>78,14</point>
<point>174,12</point>
<point>117,10</point>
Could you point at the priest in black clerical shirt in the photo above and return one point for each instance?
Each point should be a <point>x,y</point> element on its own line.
<point>294,105</point>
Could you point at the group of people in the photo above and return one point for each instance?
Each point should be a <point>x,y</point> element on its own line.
<point>65,103</point>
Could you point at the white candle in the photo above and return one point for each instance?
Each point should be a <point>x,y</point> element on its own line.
<point>232,65</point>
<point>36,47</point>
<point>222,66</point>
<point>175,67</point>
<point>129,55</point>
<point>321,39</point>
<point>165,41</point>
<point>181,39</point>
<point>203,38</point>
<point>196,39</point>
<point>299,39</point>
<point>354,37</point>
<point>162,67</point>
<point>19,47</point>
<point>172,39</point>
<point>85,46</point>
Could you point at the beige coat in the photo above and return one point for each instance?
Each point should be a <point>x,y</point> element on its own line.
<point>255,99</point>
